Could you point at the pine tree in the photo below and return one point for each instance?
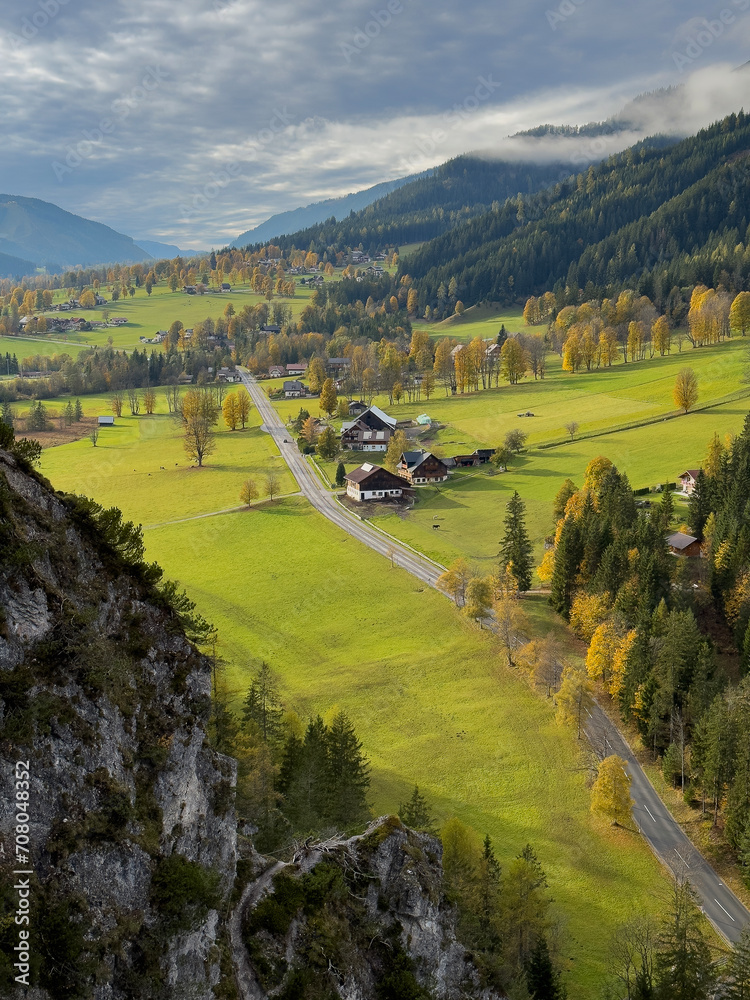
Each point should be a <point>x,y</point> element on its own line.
<point>568,555</point>
<point>340,474</point>
<point>262,707</point>
<point>699,504</point>
<point>684,970</point>
<point>416,813</point>
<point>516,550</point>
<point>737,971</point>
<point>68,414</point>
<point>489,896</point>
<point>541,978</point>
<point>306,785</point>
<point>6,415</point>
<point>348,778</point>
<point>78,411</point>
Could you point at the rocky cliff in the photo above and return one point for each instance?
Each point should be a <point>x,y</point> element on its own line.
<point>358,919</point>
<point>130,839</point>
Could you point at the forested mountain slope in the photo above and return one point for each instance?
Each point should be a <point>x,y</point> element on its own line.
<point>646,216</point>
<point>424,208</point>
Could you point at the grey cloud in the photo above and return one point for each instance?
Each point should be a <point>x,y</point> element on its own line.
<point>231,66</point>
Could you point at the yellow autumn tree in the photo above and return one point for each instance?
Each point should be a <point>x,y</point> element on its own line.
<point>231,411</point>
<point>596,472</point>
<point>602,651</point>
<point>546,570</point>
<point>661,336</point>
<point>575,696</point>
<point>610,795</point>
<point>620,662</point>
<point>587,613</point>
<point>739,314</point>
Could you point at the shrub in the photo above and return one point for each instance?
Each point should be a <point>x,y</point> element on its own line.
<point>183,891</point>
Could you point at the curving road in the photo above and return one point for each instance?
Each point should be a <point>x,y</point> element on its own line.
<point>663,834</point>
<point>314,491</point>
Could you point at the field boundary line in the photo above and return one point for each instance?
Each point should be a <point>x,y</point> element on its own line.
<point>632,425</point>
<point>218,513</point>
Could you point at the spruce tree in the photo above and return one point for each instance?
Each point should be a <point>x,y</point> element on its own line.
<point>416,813</point>
<point>568,556</point>
<point>263,707</point>
<point>516,550</point>
<point>699,505</point>
<point>6,416</point>
<point>340,473</point>
<point>684,969</point>
<point>541,978</point>
<point>78,411</point>
<point>737,971</point>
<point>306,795</point>
<point>68,414</point>
<point>348,775</point>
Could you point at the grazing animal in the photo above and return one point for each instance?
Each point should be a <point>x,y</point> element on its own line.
<point>162,468</point>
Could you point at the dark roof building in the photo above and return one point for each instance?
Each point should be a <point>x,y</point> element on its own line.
<point>681,544</point>
<point>421,468</point>
<point>371,482</point>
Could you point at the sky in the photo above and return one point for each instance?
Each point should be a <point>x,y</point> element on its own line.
<point>190,121</point>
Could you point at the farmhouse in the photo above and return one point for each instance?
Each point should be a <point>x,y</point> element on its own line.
<point>370,432</point>
<point>276,371</point>
<point>118,321</point>
<point>421,468</point>
<point>371,482</point>
<point>338,365</point>
<point>228,375</point>
<point>681,544</point>
<point>356,407</point>
<point>296,368</point>
<point>294,389</point>
<point>105,421</point>
<point>689,480</point>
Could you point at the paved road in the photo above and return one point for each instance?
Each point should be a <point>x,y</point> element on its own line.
<point>663,834</point>
<point>312,488</point>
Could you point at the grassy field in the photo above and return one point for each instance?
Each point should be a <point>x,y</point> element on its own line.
<point>470,507</point>
<point>147,314</point>
<point>429,697</point>
<point>426,689</point>
<point>125,468</point>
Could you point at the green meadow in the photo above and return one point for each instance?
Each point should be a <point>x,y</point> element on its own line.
<point>427,690</point>
<point>429,696</point>
<point>147,314</point>
<point>140,465</point>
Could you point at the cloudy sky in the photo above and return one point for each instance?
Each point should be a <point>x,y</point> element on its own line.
<point>189,121</point>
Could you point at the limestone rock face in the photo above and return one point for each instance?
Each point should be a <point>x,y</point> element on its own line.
<point>361,910</point>
<point>129,807</point>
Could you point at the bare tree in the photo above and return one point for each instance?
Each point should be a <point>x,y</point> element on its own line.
<point>94,436</point>
<point>134,402</point>
<point>572,429</point>
<point>273,485</point>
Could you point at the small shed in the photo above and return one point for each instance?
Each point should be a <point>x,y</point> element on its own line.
<point>681,544</point>
<point>105,421</point>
